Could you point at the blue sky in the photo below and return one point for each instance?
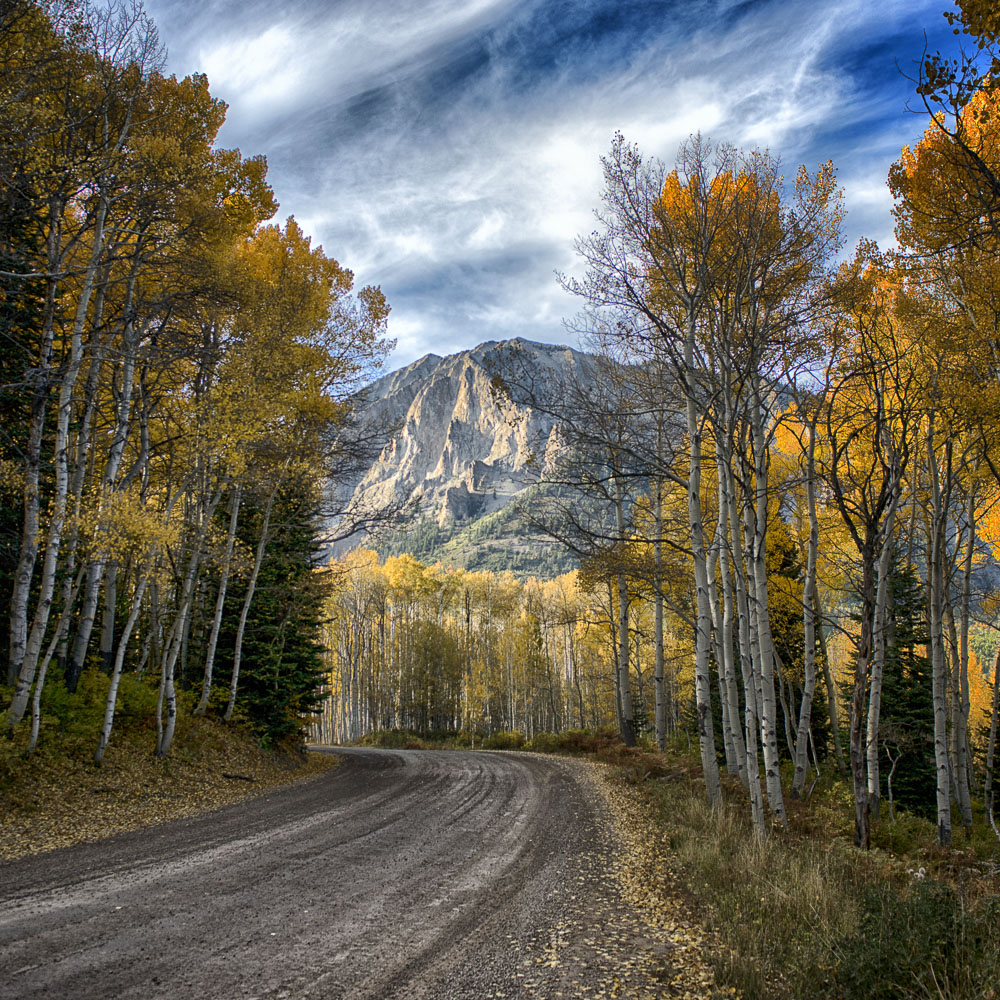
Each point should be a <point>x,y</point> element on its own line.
<point>449,151</point>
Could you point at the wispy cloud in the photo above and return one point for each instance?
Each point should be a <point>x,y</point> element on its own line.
<point>450,151</point>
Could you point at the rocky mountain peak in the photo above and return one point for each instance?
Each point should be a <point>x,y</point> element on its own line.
<point>461,450</point>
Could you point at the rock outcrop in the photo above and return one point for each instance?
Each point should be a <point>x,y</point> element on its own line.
<point>462,449</point>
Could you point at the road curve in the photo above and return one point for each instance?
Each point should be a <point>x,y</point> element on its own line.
<point>399,874</point>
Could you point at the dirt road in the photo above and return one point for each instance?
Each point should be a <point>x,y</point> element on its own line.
<point>400,874</point>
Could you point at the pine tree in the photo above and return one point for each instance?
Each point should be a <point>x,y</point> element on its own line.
<point>21,304</point>
<point>906,731</point>
<point>281,676</point>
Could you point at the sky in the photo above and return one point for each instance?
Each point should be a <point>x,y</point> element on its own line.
<point>449,150</point>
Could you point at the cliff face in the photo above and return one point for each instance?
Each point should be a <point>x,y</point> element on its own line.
<point>461,451</point>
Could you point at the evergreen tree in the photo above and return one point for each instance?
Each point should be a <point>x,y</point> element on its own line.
<point>21,305</point>
<point>281,676</point>
<point>906,730</point>
<point>785,572</point>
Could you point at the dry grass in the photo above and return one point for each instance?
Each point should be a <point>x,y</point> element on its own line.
<point>803,914</point>
<point>57,797</point>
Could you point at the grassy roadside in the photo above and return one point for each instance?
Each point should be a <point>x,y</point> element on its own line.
<point>803,915</point>
<point>57,797</point>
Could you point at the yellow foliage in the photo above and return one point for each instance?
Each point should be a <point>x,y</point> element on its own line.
<point>120,524</point>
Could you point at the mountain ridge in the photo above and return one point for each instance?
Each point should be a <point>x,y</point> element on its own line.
<point>462,451</point>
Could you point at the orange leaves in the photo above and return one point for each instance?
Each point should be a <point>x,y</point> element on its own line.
<point>939,183</point>
<point>737,256</point>
<point>988,517</point>
<point>979,17</point>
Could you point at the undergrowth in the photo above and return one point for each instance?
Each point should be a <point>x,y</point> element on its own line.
<point>56,796</point>
<point>441,739</point>
<point>803,915</point>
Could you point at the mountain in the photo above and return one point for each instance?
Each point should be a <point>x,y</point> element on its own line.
<point>461,453</point>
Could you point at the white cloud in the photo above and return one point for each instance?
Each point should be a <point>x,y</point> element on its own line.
<point>488,234</point>
<point>256,71</point>
<point>461,199</point>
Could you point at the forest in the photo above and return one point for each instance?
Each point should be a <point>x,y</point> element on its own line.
<point>176,393</point>
<point>775,475</point>
<point>781,476</point>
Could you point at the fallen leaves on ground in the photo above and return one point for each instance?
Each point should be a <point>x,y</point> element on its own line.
<point>627,931</point>
<point>53,799</point>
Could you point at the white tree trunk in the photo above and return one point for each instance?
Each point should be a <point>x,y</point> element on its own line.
<point>936,583</point>
<point>725,571</point>
<point>962,699</point>
<point>989,793</point>
<point>809,616</point>
<point>220,603</point>
<point>732,765</point>
<point>245,609</point>
<point>882,584</point>
<point>112,466</point>
<point>661,705</point>
<point>28,550</point>
<point>32,649</point>
<point>760,619</point>
<point>703,614</point>
<point>116,671</point>
<point>751,711</point>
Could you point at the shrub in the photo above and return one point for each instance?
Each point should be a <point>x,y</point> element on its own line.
<point>546,743</point>
<point>928,942</point>
<point>504,741</point>
<point>390,739</point>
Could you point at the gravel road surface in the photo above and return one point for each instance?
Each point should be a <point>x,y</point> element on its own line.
<point>399,874</point>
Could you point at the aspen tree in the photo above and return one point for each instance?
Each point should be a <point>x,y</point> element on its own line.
<point>869,418</point>
<point>122,49</point>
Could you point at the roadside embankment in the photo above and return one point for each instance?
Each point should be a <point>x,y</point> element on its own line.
<point>56,797</point>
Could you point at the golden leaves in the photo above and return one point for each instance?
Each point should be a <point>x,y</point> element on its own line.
<point>626,931</point>
<point>54,798</point>
<point>120,524</point>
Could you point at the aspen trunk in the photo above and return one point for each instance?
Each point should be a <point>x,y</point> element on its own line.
<point>766,706</point>
<point>167,701</point>
<point>728,724</point>
<point>624,688</point>
<point>32,648</point>
<point>725,572</point>
<point>803,730</point>
<point>862,827</point>
<point>758,551</point>
<point>989,795</point>
<point>703,619</point>
<point>882,584</point>
<point>786,699</point>
<point>110,606</point>
<point>962,699</point>
<point>179,632</point>
<point>61,627</point>
<point>245,609</point>
<point>220,602</point>
<point>83,443</point>
<point>613,628</point>
<point>119,662</point>
<point>31,503</point>
<point>624,685</point>
<point>111,470</point>
<point>831,688</point>
<point>936,583</point>
<point>661,706</point>
<point>751,713</point>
